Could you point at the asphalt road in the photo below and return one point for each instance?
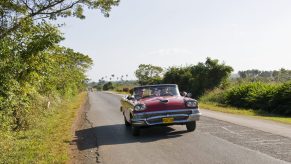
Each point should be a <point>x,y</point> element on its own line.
<point>105,139</point>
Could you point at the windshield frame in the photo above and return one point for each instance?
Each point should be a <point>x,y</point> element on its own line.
<point>156,91</point>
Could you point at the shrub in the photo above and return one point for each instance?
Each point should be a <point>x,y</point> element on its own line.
<point>125,89</point>
<point>217,95</point>
<point>251,95</point>
<point>108,86</point>
<point>281,101</point>
<point>272,98</point>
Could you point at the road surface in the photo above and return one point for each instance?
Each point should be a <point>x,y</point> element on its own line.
<point>105,139</point>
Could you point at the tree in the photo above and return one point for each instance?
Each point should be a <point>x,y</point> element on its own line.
<point>108,86</point>
<point>179,75</point>
<point>15,13</point>
<point>198,78</point>
<point>208,75</point>
<point>281,75</point>
<point>148,74</point>
<point>34,69</point>
<point>33,65</point>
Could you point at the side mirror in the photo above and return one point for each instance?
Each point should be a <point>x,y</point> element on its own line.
<point>129,97</point>
<point>184,94</point>
<point>189,95</point>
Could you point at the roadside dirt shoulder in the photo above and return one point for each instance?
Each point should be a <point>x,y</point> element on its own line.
<point>83,138</point>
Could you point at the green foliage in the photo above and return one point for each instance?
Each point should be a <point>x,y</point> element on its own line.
<point>108,86</point>
<point>98,87</point>
<point>255,95</point>
<point>216,95</point>
<point>281,100</point>
<point>271,98</point>
<point>33,66</point>
<point>179,75</point>
<point>14,14</point>
<point>281,75</point>
<point>45,142</point>
<point>148,74</point>
<point>199,78</point>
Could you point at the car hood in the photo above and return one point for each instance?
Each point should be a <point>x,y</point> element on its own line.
<point>163,103</point>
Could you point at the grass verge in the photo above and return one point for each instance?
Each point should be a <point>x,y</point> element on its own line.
<point>48,141</point>
<point>245,112</point>
<point>121,92</point>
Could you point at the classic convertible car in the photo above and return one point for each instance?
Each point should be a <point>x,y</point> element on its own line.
<point>161,104</point>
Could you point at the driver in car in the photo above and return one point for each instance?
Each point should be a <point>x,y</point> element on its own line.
<point>140,94</point>
<point>165,92</point>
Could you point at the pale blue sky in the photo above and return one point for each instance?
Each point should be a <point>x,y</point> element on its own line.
<point>246,34</point>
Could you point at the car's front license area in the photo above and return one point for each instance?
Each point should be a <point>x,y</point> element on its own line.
<point>165,117</point>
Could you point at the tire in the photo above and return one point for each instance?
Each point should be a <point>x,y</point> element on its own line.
<point>191,126</point>
<point>135,131</point>
<point>126,122</point>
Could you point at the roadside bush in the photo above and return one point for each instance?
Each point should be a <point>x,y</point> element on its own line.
<point>281,101</point>
<point>272,98</point>
<point>108,86</point>
<point>217,96</point>
<point>251,95</point>
<point>125,89</point>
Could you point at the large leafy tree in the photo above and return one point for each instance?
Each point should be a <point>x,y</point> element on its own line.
<point>34,68</point>
<point>179,75</point>
<point>198,78</point>
<point>148,74</point>
<point>15,13</point>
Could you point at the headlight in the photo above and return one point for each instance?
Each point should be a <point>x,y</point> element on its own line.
<point>140,107</point>
<point>192,104</point>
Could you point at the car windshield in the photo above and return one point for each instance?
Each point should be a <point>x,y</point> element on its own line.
<point>155,91</point>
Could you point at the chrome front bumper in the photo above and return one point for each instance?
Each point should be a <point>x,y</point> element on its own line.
<point>180,116</point>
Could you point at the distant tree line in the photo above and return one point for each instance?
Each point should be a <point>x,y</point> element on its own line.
<point>281,75</point>
<point>194,78</point>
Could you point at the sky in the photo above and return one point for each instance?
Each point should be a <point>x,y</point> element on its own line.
<point>245,34</point>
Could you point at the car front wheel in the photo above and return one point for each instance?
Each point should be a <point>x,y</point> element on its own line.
<point>191,126</point>
<point>126,122</point>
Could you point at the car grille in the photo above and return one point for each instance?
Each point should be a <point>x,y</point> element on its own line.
<point>156,118</point>
<point>187,112</point>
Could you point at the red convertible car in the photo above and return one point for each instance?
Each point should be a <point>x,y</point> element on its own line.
<point>161,104</point>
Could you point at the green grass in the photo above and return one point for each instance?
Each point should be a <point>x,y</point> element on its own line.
<point>47,142</point>
<point>245,112</point>
<point>122,92</point>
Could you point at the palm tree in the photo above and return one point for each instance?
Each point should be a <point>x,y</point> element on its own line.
<point>126,76</point>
